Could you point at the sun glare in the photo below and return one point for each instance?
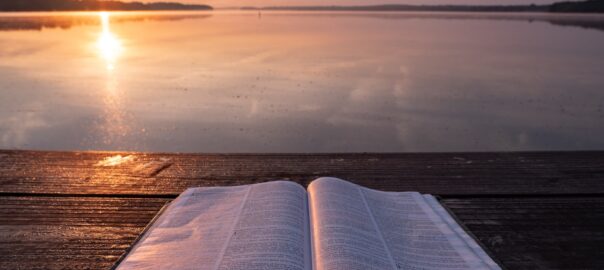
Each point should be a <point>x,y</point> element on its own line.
<point>109,45</point>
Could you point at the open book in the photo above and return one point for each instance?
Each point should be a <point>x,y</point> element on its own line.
<point>280,225</point>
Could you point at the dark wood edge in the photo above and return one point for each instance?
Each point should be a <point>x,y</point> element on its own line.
<point>463,226</point>
<point>140,236</point>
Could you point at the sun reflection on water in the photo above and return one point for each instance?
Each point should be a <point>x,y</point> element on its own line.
<point>114,124</point>
<point>108,44</point>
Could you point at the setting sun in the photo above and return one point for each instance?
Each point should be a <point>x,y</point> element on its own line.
<point>301,134</point>
<point>109,46</point>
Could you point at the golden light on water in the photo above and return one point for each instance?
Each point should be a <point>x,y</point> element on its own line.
<point>114,123</point>
<point>108,44</point>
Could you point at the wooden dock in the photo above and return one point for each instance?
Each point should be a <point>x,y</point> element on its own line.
<point>80,210</point>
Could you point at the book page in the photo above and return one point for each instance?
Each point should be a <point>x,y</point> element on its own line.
<point>359,228</point>
<point>272,231</point>
<point>469,241</point>
<point>261,226</point>
<point>343,233</point>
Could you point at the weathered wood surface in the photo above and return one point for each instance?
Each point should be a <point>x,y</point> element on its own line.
<point>70,232</point>
<point>66,210</point>
<point>537,233</point>
<point>444,174</point>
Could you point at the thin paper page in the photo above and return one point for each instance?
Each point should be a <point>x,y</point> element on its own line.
<point>416,236</point>
<point>272,231</point>
<point>260,226</point>
<point>191,233</point>
<point>360,228</point>
<point>344,236</point>
<point>438,208</point>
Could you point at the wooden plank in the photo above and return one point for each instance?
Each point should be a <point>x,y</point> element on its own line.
<point>537,233</point>
<point>23,172</point>
<point>91,233</point>
<point>70,232</point>
<point>71,210</point>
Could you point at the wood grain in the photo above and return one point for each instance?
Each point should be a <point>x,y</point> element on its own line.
<point>70,232</point>
<point>537,233</point>
<point>82,210</point>
<point>438,173</point>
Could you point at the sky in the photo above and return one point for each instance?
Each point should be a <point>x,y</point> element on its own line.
<point>223,3</point>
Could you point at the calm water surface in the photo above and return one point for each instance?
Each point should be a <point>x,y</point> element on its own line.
<point>301,82</point>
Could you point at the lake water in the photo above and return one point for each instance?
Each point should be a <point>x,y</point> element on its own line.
<point>301,82</point>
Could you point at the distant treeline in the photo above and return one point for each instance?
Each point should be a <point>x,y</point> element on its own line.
<point>38,23</point>
<point>590,6</point>
<point>91,5</point>
<point>395,7</point>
